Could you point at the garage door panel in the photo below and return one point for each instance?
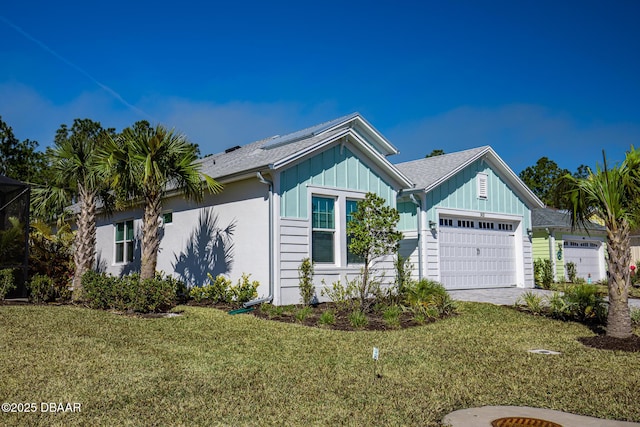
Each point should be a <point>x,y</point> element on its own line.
<point>474,258</point>
<point>586,256</point>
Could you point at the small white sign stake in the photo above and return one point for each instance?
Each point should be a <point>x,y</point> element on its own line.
<point>376,356</point>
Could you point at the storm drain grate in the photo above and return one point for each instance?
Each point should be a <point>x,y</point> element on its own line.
<point>523,422</point>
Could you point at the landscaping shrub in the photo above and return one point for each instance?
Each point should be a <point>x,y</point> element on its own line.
<point>357,319</point>
<point>430,298</point>
<point>344,297</point>
<point>305,276</point>
<point>584,303</point>
<point>217,291</point>
<point>635,316</point>
<point>571,271</point>
<point>129,293</point>
<point>41,289</point>
<point>532,302</point>
<point>244,290</point>
<point>7,283</point>
<point>327,317</point>
<point>302,313</point>
<point>155,295</point>
<point>220,290</point>
<point>98,290</point>
<point>391,316</point>
<point>543,273</point>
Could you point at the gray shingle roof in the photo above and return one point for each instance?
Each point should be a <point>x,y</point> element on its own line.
<point>424,173</point>
<point>261,154</point>
<point>554,218</point>
<point>258,155</point>
<point>430,172</point>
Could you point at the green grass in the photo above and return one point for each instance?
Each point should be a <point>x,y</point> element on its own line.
<point>209,368</point>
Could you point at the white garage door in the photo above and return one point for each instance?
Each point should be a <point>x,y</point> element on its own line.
<point>586,256</point>
<point>476,254</point>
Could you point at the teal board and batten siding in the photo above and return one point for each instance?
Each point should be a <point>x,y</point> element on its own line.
<point>336,167</point>
<point>460,192</point>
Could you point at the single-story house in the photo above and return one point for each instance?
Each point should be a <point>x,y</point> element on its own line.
<point>285,198</point>
<point>554,239</point>
<point>467,221</point>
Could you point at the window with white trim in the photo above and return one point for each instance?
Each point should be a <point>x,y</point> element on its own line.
<point>352,206</point>
<point>323,226</point>
<point>483,185</point>
<point>124,241</point>
<point>167,218</point>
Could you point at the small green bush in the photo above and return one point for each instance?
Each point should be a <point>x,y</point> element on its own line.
<point>7,283</point>
<point>584,303</point>
<point>98,289</point>
<point>558,306</point>
<point>635,316</point>
<point>244,290</point>
<point>155,295</point>
<point>572,273</point>
<point>532,302</point>
<point>391,316</point>
<point>41,289</point>
<point>430,298</point>
<point>129,293</point>
<point>327,318</point>
<point>344,297</point>
<point>219,290</point>
<point>302,313</point>
<point>305,276</point>
<point>357,319</point>
<point>543,273</point>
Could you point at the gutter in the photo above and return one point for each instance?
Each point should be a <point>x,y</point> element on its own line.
<point>269,297</point>
<point>418,208</point>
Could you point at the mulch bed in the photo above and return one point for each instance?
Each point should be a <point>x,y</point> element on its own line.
<point>603,342</point>
<point>375,322</point>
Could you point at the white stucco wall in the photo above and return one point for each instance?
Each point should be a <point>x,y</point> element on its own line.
<point>243,203</point>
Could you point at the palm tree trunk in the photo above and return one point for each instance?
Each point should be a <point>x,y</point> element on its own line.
<point>150,237</point>
<point>85,240</point>
<point>618,248</point>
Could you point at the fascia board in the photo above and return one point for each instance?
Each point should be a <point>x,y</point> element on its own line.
<point>382,141</point>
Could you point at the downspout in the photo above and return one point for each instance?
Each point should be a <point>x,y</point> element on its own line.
<point>417,203</point>
<point>269,297</point>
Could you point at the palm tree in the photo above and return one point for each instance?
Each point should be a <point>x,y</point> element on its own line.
<point>76,177</point>
<point>144,163</point>
<point>611,194</point>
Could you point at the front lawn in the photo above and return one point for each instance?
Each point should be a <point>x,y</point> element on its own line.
<point>207,367</point>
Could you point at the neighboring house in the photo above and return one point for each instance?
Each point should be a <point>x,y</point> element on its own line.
<point>467,222</point>
<point>285,198</point>
<point>554,239</point>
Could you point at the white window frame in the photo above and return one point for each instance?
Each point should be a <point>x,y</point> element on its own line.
<point>127,255</point>
<point>340,223</point>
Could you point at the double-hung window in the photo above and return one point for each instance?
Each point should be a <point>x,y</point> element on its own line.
<point>124,241</point>
<point>323,230</point>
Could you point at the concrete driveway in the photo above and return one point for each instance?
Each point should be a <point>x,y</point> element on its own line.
<point>506,296</point>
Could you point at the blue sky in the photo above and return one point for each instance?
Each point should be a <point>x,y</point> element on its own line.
<point>530,78</point>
